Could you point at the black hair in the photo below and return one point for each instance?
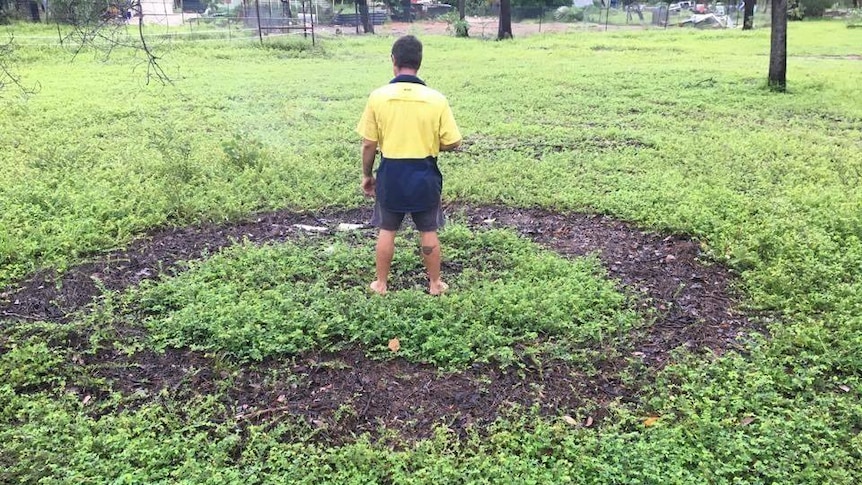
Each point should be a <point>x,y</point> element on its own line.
<point>407,52</point>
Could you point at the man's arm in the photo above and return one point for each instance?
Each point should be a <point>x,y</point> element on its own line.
<point>369,153</point>
<point>450,137</point>
<point>450,147</point>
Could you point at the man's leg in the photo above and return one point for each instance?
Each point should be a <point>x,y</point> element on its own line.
<point>430,247</point>
<point>385,251</point>
<point>428,222</point>
<point>388,222</point>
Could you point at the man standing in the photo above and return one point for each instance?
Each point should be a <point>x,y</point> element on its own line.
<point>412,124</point>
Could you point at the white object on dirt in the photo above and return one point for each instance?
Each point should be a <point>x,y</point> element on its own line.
<point>311,228</point>
<point>349,227</point>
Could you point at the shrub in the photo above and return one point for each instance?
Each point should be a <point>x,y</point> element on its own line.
<point>461,28</point>
<point>815,8</point>
<point>569,14</point>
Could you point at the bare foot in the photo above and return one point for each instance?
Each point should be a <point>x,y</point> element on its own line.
<point>437,289</point>
<point>378,287</point>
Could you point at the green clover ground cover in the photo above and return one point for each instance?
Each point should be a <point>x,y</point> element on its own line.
<point>670,129</point>
<point>258,302</point>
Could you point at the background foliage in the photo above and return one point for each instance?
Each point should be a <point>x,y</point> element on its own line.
<point>673,130</point>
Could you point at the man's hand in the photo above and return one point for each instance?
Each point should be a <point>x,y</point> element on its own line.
<point>369,153</point>
<point>368,186</point>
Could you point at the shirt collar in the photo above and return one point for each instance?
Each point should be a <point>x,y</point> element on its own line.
<point>406,78</point>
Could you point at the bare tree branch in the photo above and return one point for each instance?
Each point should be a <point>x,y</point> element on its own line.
<point>107,29</point>
<point>153,67</point>
<point>7,74</point>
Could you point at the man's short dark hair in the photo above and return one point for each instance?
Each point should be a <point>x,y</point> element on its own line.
<point>407,52</point>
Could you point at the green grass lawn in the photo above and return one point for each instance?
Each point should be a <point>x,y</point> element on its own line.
<point>673,130</point>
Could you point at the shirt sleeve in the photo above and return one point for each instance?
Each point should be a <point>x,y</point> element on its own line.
<point>367,127</point>
<point>449,133</point>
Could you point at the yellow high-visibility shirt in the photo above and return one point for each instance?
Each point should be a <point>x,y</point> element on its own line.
<point>409,121</point>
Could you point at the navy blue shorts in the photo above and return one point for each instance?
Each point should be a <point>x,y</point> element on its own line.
<point>425,221</point>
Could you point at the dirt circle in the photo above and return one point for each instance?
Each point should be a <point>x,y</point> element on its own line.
<point>688,304</point>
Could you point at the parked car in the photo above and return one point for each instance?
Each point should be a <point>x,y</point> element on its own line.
<point>680,6</point>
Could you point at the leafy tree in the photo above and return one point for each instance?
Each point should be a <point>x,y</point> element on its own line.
<point>816,8</point>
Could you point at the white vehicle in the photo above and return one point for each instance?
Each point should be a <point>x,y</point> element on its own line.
<point>680,6</point>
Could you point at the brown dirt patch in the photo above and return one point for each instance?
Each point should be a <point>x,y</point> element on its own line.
<point>344,394</point>
<point>480,27</point>
<point>691,297</point>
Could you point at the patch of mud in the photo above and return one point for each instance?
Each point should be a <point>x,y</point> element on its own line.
<point>341,395</point>
<point>692,299</point>
<point>54,297</point>
<point>345,394</point>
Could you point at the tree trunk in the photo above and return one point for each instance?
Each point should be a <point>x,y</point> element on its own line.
<point>462,9</point>
<point>778,52</point>
<point>34,11</point>
<point>748,15</point>
<point>367,24</point>
<point>505,30</point>
<point>408,10</point>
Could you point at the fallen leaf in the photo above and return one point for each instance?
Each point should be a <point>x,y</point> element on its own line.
<point>746,421</point>
<point>844,388</point>
<point>394,345</point>
<point>281,398</point>
<point>650,420</point>
<point>86,400</point>
<point>570,420</point>
<point>589,422</point>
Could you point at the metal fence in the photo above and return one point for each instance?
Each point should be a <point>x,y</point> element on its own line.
<point>343,18</point>
<point>243,19</point>
<point>662,15</point>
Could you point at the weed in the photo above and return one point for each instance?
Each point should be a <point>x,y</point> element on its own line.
<point>582,121</point>
<point>255,302</point>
